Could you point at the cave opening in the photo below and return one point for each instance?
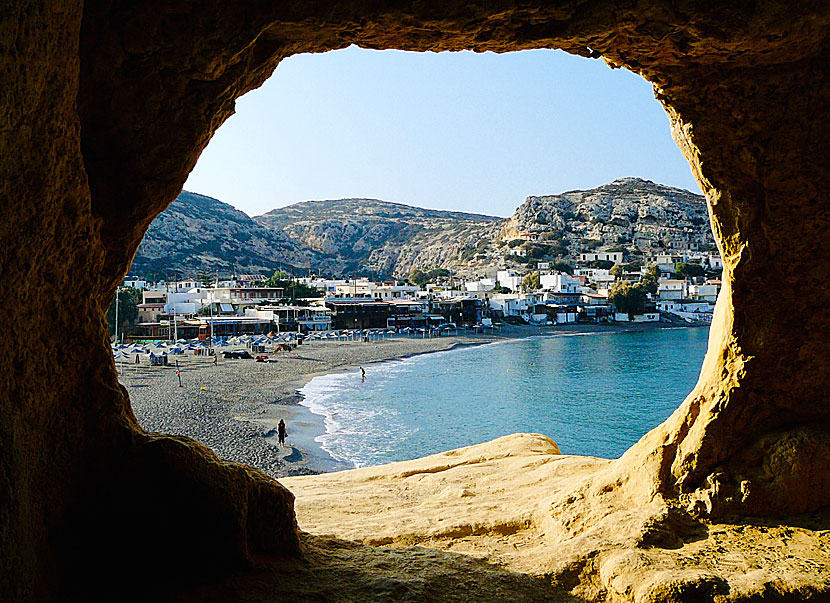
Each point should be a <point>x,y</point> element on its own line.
<point>274,141</point>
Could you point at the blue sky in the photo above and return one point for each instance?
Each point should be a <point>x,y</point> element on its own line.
<point>460,131</point>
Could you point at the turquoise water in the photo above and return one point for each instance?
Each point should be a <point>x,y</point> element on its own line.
<point>593,394</point>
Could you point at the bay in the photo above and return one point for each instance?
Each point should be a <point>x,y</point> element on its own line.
<point>592,393</point>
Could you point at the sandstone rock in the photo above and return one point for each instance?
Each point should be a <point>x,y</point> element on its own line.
<point>106,107</point>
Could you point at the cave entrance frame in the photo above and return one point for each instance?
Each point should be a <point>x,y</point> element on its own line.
<point>107,112</point>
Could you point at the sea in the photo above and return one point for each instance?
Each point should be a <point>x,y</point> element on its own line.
<point>592,393</point>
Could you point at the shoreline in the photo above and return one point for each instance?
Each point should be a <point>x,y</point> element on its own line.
<point>234,407</point>
<point>514,333</point>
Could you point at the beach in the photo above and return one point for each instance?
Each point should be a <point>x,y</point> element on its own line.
<point>234,407</point>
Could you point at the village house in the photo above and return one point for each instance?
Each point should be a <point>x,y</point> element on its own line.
<point>509,279</point>
<point>485,284</point>
<point>134,282</point>
<point>666,262</point>
<point>393,291</point>
<point>560,283</point>
<point>606,256</point>
<point>150,312</point>
<point>707,291</point>
<point>688,309</point>
<point>355,289</point>
<point>600,277</point>
<point>668,288</point>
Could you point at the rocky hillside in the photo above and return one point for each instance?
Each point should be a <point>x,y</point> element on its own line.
<point>628,211</point>
<point>198,232</point>
<point>378,237</point>
<point>383,239</point>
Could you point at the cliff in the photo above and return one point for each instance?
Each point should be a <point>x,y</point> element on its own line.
<point>624,212</point>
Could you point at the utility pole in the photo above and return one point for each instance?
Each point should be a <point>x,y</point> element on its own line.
<point>175,326</point>
<point>116,314</point>
<point>167,299</point>
<point>210,306</point>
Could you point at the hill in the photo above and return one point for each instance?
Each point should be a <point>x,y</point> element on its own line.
<point>379,237</point>
<point>382,239</point>
<point>199,232</point>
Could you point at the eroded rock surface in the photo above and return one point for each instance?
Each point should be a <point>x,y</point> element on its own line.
<point>106,107</point>
<point>519,504</point>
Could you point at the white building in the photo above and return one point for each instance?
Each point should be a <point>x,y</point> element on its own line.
<point>708,291</point>
<point>666,262</point>
<point>513,304</point>
<point>135,282</point>
<point>560,283</point>
<point>325,285</point>
<point>393,291</point>
<point>485,284</point>
<point>668,288</point>
<point>355,288</point>
<point>185,285</point>
<point>696,310</point>
<point>607,256</point>
<point>509,279</point>
<point>714,262</point>
<point>182,303</point>
<point>601,277</point>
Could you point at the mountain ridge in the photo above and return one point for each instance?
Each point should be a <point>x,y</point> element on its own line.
<point>386,239</point>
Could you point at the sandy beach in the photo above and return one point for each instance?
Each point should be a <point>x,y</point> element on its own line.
<point>234,406</point>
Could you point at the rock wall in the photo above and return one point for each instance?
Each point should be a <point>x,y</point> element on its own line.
<point>108,96</point>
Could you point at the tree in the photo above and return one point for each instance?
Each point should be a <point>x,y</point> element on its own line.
<point>128,300</point>
<point>291,289</point>
<point>617,270</point>
<point>206,277</point>
<point>690,269</point>
<point>418,277</point>
<point>532,282</point>
<point>563,267</point>
<point>649,282</point>
<point>628,298</point>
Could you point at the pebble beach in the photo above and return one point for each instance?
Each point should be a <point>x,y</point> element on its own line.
<point>233,407</point>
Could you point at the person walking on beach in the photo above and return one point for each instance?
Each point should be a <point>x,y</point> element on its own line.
<point>362,374</point>
<point>281,432</point>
